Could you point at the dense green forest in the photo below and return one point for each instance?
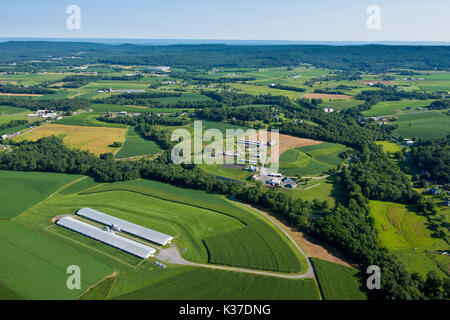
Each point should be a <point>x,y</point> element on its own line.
<point>370,57</point>
<point>433,157</point>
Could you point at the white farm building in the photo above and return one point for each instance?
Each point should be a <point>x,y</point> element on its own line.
<point>123,225</point>
<point>108,237</point>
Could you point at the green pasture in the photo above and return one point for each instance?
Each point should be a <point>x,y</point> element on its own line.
<point>205,284</point>
<point>135,145</point>
<point>337,282</point>
<point>426,125</point>
<point>311,160</point>
<point>88,119</point>
<point>386,108</point>
<point>34,266</point>
<point>21,190</point>
<point>408,235</point>
<point>389,146</point>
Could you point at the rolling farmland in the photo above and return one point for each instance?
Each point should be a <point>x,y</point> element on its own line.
<point>265,237</point>
<point>426,125</point>
<point>224,285</point>
<point>311,160</point>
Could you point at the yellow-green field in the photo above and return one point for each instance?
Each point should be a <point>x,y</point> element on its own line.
<point>389,146</point>
<point>94,139</point>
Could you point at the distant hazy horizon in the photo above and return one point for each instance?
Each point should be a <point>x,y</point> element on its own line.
<point>118,41</point>
<point>195,20</point>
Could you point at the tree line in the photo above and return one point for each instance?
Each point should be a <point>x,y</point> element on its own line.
<point>49,104</point>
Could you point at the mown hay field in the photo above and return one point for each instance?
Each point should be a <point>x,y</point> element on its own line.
<point>94,139</point>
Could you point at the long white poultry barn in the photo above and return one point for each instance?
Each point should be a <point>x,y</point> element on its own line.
<point>131,228</point>
<point>108,237</point>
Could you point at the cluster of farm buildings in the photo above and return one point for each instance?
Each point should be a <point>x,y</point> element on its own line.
<point>45,114</point>
<point>115,232</point>
<point>274,179</point>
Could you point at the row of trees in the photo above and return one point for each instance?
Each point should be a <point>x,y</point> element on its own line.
<point>51,155</point>
<point>49,104</point>
<point>10,88</point>
<point>12,124</point>
<point>390,93</point>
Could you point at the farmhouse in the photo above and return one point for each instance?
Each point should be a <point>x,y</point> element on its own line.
<point>434,191</point>
<point>275,182</point>
<point>108,237</point>
<point>159,68</point>
<point>128,227</point>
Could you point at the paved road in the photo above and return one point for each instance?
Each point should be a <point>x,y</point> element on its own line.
<point>172,255</point>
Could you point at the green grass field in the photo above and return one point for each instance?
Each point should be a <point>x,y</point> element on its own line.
<point>202,283</point>
<point>135,145</point>
<point>326,189</point>
<point>8,294</point>
<point>389,146</point>
<point>242,247</point>
<point>35,266</point>
<point>88,119</point>
<point>426,125</point>
<point>399,227</point>
<point>12,110</point>
<point>79,186</point>
<point>408,235</point>
<point>311,160</point>
<point>337,282</point>
<point>386,108</point>
<point>342,104</point>
<point>21,190</point>
<point>230,173</point>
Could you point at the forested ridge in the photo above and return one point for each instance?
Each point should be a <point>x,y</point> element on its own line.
<point>369,57</point>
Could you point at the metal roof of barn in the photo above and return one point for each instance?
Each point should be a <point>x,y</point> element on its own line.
<point>108,237</point>
<point>123,225</point>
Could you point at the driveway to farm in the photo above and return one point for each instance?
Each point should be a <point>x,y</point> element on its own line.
<point>172,255</point>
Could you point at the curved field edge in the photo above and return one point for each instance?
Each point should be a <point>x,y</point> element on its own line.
<point>311,160</point>
<point>22,190</point>
<point>286,256</point>
<point>204,284</point>
<point>338,282</point>
<point>35,265</point>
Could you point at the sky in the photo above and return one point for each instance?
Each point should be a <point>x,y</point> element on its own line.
<point>313,20</point>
